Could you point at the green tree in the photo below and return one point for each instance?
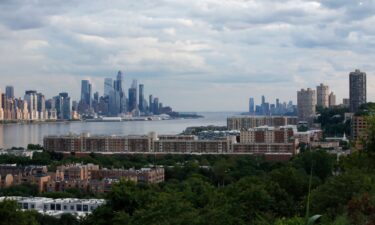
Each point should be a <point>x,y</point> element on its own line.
<point>332,197</point>
<point>166,209</point>
<point>10,213</point>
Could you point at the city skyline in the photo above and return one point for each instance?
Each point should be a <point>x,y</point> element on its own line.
<point>206,55</point>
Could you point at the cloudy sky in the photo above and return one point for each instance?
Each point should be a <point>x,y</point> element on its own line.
<point>196,55</point>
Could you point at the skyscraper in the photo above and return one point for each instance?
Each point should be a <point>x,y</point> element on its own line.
<point>41,106</point>
<point>63,106</point>
<point>118,86</point>
<point>32,102</point>
<point>306,103</point>
<point>133,96</point>
<point>332,99</point>
<point>9,92</point>
<point>251,105</point>
<point>357,89</point>
<point>118,83</point>
<point>151,104</point>
<point>141,98</point>
<point>108,86</point>
<point>156,106</point>
<point>322,92</point>
<point>86,93</point>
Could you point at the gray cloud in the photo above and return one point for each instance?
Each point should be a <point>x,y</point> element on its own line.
<point>191,50</point>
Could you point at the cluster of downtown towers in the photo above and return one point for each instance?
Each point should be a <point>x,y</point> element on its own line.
<point>114,102</point>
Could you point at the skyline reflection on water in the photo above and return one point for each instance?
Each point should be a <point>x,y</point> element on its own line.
<point>20,135</point>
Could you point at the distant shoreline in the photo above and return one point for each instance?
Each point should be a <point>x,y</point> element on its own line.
<point>92,121</point>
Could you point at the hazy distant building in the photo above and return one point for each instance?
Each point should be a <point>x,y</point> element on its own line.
<point>118,86</point>
<point>357,89</point>
<point>63,106</point>
<point>86,93</point>
<point>251,106</point>
<point>306,103</point>
<point>151,103</point>
<point>332,99</point>
<point>133,97</point>
<point>32,102</point>
<point>41,106</point>
<point>322,92</point>
<point>141,98</point>
<point>156,106</point>
<point>9,92</point>
<point>108,86</point>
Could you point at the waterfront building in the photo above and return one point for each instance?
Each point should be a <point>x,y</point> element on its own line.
<point>194,146</point>
<point>86,143</point>
<point>32,103</point>
<point>86,95</point>
<point>9,92</point>
<point>357,90</point>
<point>155,106</point>
<point>120,97</point>
<point>141,98</point>
<point>108,86</point>
<point>251,106</point>
<point>306,103</point>
<point>268,140</point>
<point>133,104</point>
<point>247,122</point>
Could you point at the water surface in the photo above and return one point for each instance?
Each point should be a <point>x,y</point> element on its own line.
<point>22,134</point>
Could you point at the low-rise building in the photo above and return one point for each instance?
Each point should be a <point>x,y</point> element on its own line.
<point>57,207</point>
<point>144,175</point>
<point>309,136</point>
<point>87,143</point>
<point>194,146</point>
<point>267,140</point>
<point>12,174</point>
<point>248,122</point>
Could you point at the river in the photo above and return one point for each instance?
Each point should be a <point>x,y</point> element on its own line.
<point>20,135</point>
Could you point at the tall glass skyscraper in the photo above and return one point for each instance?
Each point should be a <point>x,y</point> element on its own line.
<point>141,98</point>
<point>9,92</point>
<point>108,86</point>
<point>86,93</point>
<point>133,96</point>
<point>251,106</point>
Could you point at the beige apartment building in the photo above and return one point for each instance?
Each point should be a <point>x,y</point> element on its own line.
<point>322,92</point>
<point>267,140</point>
<point>306,103</point>
<point>248,122</point>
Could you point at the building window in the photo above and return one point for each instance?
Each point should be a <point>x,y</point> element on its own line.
<point>25,206</point>
<point>65,207</point>
<point>85,208</point>
<point>52,206</point>
<point>79,208</point>
<point>58,207</point>
<point>72,207</point>
<point>45,207</point>
<point>32,206</point>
